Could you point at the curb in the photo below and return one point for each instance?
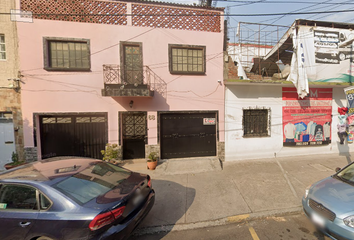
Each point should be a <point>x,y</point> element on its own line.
<point>218,222</point>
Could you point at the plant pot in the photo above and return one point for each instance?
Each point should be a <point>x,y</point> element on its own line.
<point>8,166</point>
<point>152,165</point>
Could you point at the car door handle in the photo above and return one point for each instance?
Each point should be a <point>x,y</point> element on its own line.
<point>24,224</point>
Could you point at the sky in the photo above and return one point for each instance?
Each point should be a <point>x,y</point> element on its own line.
<point>278,6</point>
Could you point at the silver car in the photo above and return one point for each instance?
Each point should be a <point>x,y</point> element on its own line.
<point>329,204</point>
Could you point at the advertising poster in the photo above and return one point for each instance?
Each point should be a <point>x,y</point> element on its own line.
<point>326,45</point>
<point>328,53</point>
<point>349,94</point>
<point>307,122</point>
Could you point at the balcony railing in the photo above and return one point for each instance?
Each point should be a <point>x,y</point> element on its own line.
<point>131,83</point>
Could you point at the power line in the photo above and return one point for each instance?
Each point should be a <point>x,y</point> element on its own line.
<point>332,13</point>
<point>290,13</point>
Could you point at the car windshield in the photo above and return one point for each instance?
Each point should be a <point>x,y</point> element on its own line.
<point>347,174</point>
<point>92,182</point>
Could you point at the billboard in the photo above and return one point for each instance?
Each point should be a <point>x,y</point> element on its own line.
<point>307,121</point>
<point>328,53</point>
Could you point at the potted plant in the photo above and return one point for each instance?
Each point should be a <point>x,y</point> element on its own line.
<point>111,153</point>
<point>152,161</point>
<point>15,162</point>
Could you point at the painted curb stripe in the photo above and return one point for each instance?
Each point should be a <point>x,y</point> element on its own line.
<point>237,218</point>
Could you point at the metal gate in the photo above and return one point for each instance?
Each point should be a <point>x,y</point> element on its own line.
<point>188,135</point>
<point>73,135</point>
<point>134,134</point>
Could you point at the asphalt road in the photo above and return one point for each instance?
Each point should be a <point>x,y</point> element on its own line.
<point>296,227</point>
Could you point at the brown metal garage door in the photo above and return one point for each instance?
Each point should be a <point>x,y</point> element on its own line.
<point>73,135</point>
<point>187,135</point>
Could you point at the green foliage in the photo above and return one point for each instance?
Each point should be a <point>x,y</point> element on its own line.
<point>111,152</point>
<point>153,157</point>
<point>15,159</point>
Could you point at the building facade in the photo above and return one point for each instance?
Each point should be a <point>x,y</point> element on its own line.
<point>301,114</point>
<point>11,130</point>
<point>145,76</point>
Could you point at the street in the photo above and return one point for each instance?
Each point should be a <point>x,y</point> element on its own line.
<point>274,228</point>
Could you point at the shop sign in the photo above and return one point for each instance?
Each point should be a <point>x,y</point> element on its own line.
<point>349,94</point>
<point>307,122</point>
<point>209,121</point>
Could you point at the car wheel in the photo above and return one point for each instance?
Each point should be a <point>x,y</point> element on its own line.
<point>342,56</point>
<point>44,238</point>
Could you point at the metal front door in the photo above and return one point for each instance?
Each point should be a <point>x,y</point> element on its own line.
<point>134,133</point>
<point>133,64</point>
<point>73,135</point>
<point>7,138</point>
<point>187,135</point>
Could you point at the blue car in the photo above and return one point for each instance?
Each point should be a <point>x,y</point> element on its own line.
<point>69,199</point>
<point>329,204</point>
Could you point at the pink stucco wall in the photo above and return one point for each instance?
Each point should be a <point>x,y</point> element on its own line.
<point>49,92</point>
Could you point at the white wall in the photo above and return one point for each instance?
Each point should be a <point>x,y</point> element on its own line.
<point>239,148</point>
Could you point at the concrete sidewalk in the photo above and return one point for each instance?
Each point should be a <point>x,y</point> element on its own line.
<point>191,198</point>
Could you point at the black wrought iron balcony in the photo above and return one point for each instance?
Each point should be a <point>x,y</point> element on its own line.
<point>131,82</point>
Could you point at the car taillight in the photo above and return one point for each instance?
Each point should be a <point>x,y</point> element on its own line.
<point>101,220</point>
<point>104,219</point>
<point>118,212</point>
<point>149,182</point>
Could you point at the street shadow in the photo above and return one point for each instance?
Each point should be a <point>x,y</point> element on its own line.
<point>344,150</point>
<point>172,201</point>
<point>319,235</point>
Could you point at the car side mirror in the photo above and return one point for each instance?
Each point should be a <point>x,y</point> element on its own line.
<point>338,169</point>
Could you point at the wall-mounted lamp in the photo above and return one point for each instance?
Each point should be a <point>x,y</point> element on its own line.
<point>131,103</point>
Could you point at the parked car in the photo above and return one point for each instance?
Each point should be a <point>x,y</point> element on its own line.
<point>76,198</point>
<point>329,204</point>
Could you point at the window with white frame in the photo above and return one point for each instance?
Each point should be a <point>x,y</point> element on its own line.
<point>2,47</point>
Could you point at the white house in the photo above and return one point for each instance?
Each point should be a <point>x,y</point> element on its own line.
<point>297,115</point>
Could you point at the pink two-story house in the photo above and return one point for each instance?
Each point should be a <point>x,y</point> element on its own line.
<point>147,76</point>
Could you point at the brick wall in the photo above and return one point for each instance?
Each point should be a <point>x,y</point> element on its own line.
<point>151,148</point>
<point>157,15</point>
<point>221,151</point>
<point>30,154</point>
<point>232,69</point>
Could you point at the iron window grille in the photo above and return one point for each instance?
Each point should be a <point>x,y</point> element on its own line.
<point>62,54</point>
<point>2,47</point>
<point>186,59</point>
<point>256,122</point>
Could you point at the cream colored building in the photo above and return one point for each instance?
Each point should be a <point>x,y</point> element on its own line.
<point>11,124</point>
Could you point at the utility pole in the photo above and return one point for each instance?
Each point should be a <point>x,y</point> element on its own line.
<point>350,64</point>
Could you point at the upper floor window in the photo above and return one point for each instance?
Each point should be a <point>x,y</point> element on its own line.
<point>2,47</point>
<point>186,59</point>
<point>66,54</point>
